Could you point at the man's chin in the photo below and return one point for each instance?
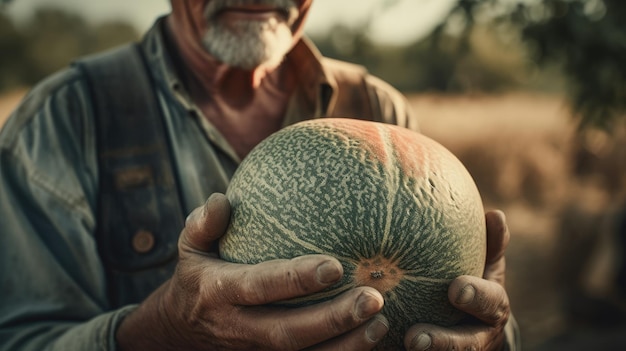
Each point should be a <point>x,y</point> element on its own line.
<point>249,52</point>
<point>249,64</point>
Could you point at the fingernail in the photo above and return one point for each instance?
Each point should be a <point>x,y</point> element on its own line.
<point>367,305</point>
<point>421,342</point>
<point>502,215</point>
<point>466,295</point>
<point>329,272</point>
<point>377,328</point>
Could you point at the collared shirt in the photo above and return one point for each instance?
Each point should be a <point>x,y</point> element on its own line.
<point>53,294</point>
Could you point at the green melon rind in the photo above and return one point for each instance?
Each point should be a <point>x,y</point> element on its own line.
<point>317,190</point>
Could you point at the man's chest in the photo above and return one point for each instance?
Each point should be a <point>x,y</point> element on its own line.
<point>244,127</point>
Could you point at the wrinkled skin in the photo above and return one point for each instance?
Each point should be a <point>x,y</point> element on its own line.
<point>210,304</point>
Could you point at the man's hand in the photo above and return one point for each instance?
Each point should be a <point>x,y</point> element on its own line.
<point>484,299</point>
<point>210,304</point>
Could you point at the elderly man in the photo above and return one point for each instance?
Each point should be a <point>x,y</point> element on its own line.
<point>91,252</point>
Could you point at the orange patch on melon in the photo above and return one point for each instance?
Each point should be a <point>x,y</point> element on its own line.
<point>368,134</point>
<point>410,155</point>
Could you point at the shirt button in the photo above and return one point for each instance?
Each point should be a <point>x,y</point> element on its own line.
<point>143,241</point>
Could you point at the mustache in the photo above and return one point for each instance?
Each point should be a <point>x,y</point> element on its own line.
<point>287,8</point>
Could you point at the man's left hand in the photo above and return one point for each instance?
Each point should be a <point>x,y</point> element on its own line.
<point>485,300</point>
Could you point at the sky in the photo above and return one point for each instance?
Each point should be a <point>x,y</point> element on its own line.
<point>406,21</point>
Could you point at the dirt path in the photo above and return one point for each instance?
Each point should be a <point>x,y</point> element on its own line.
<point>8,102</point>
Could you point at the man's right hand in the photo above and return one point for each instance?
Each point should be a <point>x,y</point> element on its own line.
<point>211,304</point>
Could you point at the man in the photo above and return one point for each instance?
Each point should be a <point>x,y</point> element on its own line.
<point>226,75</point>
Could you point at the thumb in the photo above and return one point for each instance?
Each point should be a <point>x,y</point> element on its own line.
<point>206,224</point>
<point>498,235</point>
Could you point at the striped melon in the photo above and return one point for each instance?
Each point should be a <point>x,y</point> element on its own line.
<point>397,209</point>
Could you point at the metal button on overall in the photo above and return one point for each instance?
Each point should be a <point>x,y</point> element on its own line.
<point>143,241</point>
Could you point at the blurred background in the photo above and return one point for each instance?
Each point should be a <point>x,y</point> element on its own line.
<point>529,94</point>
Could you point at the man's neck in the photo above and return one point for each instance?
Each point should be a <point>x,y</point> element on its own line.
<point>245,106</point>
<point>207,76</point>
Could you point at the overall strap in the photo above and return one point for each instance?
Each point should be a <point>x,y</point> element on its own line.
<point>139,207</point>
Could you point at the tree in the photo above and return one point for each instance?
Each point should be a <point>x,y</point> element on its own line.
<point>13,48</point>
<point>54,38</point>
<point>587,38</point>
<point>49,41</point>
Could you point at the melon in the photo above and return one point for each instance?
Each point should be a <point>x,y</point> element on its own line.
<point>397,209</point>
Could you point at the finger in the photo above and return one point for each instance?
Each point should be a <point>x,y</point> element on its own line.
<point>498,235</point>
<point>206,224</point>
<point>277,280</point>
<point>496,272</point>
<point>298,328</point>
<point>365,337</point>
<point>422,337</point>
<point>483,299</point>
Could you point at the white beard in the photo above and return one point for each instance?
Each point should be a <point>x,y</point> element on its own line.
<point>249,44</point>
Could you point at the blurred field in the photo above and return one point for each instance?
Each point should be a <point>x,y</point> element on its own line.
<point>8,101</point>
<point>516,148</point>
<point>558,189</point>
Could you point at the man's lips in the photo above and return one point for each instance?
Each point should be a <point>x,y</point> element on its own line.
<point>253,12</point>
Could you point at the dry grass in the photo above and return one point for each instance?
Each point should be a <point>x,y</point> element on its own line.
<point>8,102</point>
<point>554,184</point>
<point>515,145</point>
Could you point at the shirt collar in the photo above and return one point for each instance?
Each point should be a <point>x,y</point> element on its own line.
<point>161,62</point>
<point>317,85</point>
